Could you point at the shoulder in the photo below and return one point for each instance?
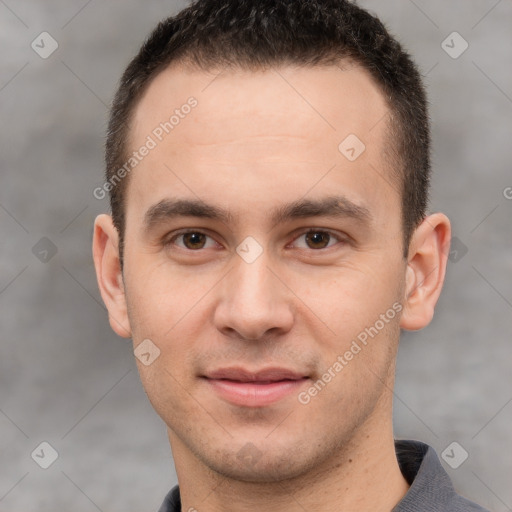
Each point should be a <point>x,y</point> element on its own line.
<point>430,485</point>
<point>172,502</point>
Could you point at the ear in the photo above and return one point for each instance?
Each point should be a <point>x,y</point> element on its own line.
<point>105,250</point>
<point>426,268</point>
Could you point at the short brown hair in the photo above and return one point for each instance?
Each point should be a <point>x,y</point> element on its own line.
<point>259,34</point>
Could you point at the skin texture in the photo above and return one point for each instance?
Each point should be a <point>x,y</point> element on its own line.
<point>254,142</point>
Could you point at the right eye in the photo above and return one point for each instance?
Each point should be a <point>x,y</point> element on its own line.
<point>192,240</point>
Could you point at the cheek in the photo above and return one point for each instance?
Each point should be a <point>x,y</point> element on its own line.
<point>161,297</point>
<point>169,392</point>
<point>348,300</point>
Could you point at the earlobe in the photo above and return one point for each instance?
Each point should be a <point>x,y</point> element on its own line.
<point>105,247</point>
<point>426,268</point>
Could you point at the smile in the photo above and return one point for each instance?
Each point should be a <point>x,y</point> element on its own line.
<point>258,389</point>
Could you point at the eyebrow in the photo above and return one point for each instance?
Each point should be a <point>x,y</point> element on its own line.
<point>331,206</point>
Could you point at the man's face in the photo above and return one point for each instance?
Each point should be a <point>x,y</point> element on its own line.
<point>250,310</point>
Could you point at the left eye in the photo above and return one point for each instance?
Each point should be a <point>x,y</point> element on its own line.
<point>317,239</point>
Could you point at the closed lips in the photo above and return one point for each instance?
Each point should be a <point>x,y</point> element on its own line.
<point>265,376</point>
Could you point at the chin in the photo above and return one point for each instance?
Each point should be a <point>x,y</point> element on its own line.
<point>263,461</point>
<point>266,470</point>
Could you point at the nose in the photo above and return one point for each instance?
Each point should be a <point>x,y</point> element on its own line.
<point>254,303</point>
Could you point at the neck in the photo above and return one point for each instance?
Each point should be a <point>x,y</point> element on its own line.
<point>362,475</point>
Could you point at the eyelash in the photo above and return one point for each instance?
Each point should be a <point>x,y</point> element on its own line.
<point>171,240</point>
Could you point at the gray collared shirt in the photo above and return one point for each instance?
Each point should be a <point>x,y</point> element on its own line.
<point>431,489</point>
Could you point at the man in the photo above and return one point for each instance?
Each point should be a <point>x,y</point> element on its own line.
<point>268,166</point>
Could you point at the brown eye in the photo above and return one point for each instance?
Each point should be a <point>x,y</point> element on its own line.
<point>317,239</point>
<point>194,240</point>
<point>191,241</point>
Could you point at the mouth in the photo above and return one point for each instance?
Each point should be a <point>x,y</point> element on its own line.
<point>254,389</point>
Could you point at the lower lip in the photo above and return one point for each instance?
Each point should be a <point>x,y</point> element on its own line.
<point>249,394</point>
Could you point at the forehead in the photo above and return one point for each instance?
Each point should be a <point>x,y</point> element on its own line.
<point>281,130</point>
<point>303,101</point>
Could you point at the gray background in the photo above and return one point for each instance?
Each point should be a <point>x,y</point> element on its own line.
<point>65,378</point>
